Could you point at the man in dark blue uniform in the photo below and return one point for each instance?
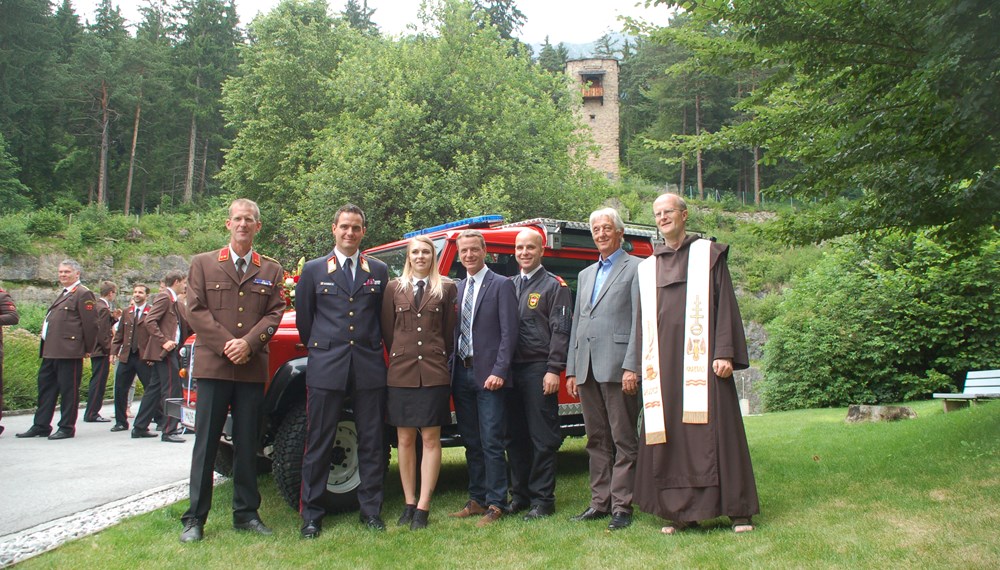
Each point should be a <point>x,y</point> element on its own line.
<point>544,306</point>
<point>338,302</point>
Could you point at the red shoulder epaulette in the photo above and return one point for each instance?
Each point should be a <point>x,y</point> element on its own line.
<point>561,282</point>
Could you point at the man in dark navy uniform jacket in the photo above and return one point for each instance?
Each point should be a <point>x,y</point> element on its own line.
<point>338,302</point>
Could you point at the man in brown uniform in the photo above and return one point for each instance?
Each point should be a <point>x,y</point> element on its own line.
<point>234,306</point>
<point>100,358</point>
<point>8,316</point>
<point>125,347</point>
<point>69,334</point>
<point>700,469</point>
<point>167,329</point>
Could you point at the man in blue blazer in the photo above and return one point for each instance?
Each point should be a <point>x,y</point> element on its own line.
<point>485,339</point>
<point>338,301</point>
<point>601,370</point>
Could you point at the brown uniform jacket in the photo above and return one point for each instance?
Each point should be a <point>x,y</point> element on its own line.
<point>130,334</point>
<point>419,339</point>
<point>72,330</point>
<point>8,315</point>
<point>161,323</point>
<point>222,307</point>
<point>105,328</point>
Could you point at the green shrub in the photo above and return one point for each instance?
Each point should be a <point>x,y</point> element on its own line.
<point>46,223</point>
<point>31,316</point>
<point>20,369</point>
<point>13,234</point>
<point>885,321</point>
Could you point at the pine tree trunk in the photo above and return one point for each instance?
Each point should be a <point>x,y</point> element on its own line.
<point>102,175</point>
<point>131,158</point>
<point>189,176</point>
<point>756,175</point>
<point>684,131</point>
<point>204,169</point>
<point>697,131</point>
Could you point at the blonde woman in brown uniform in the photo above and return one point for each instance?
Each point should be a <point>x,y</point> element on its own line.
<point>418,324</point>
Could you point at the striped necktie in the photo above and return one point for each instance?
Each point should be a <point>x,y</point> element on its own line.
<point>466,339</point>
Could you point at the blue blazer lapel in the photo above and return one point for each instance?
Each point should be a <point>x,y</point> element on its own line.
<point>487,280</point>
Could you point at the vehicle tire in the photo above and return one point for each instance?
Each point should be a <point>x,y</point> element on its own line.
<point>224,460</point>
<point>289,442</point>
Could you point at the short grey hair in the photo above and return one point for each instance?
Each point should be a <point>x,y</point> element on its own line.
<point>612,213</point>
<point>72,264</point>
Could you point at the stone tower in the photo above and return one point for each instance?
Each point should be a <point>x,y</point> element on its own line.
<point>597,79</point>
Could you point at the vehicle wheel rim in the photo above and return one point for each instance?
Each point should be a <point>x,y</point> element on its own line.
<point>345,475</point>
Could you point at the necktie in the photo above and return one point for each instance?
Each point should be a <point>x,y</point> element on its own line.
<point>138,314</point>
<point>349,268</point>
<point>418,296</point>
<point>241,265</point>
<point>466,340</point>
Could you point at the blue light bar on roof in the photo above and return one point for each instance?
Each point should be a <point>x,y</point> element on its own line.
<point>476,222</point>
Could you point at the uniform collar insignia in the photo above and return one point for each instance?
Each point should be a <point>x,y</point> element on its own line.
<point>331,264</point>
<point>364,264</point>
<point>224,254</point>
<point>255,259</point>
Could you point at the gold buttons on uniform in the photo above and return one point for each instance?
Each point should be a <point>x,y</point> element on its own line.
<point>240,309</point>
<point>326,290</point>
<point>350,313</point>
<point>350,328</point>
<point>351,299</point>
<point>420,343</point>
<point>216,285</point>
<point>420,358</point>
<point>418,315</point>
<point>419,329</point>
<point>241,293</point>
<point>352,343</point>
<point>239,325</point>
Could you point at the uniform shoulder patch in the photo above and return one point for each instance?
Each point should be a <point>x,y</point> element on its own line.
<point>562,282</point>
<point>88,305</point>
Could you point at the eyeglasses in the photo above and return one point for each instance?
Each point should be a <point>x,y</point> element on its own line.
<point>664,213</point>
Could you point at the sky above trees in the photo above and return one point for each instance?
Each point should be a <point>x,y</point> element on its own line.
<point>569,21</point>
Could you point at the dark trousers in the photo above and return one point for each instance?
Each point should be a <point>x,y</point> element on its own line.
<point>611,419</point>
<point>99,368</point>
<point>59,377</point>
<point>323,410</point>
<point>482,424</point>
<point>165,382</point>
<point>125,374</point>
<point>216,399</point>
<point>533,436</point>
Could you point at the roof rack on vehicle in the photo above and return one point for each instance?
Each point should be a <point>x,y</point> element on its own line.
<point>555,229</point>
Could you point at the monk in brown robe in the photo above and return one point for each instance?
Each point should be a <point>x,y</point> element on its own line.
<point>703,471</point>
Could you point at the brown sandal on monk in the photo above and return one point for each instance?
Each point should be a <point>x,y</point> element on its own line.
<point>742,525</point>
<point>676,527</point>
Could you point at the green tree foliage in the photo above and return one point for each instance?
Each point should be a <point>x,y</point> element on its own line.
<point>13,194</point>
<point>895,104</point>
<point>553,58</point>
<point>885,321</point>
<point>413,130</point>
<point>359,16</point>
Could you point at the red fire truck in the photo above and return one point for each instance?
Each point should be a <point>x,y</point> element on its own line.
<point>568,249</point>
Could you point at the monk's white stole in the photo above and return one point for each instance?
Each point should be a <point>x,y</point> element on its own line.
<point>696,336</point>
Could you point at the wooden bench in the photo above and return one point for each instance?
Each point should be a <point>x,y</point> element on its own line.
<point>979,385</point>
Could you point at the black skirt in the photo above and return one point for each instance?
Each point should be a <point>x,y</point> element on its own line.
<point>419,407</point>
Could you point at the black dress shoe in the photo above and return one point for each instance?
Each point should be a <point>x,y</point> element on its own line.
<point>139,433</point>
<point>539,512</point>
<point>373,522</point>
<point>61,434</point>
<point>620,520</point>
<point>419,519</point>
<point>169,438</point>
<point>97,420</point>
<point>35,431</point>
<point>254,525</point>
<point>119,427</point>
<point>312,529</point>
<point>193,531</point>
<point>591,514</point>
<point>1,430</point>
<point>516,506</point>
<point>407,516</point>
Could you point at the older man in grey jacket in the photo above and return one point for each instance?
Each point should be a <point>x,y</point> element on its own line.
<point>601,370</point>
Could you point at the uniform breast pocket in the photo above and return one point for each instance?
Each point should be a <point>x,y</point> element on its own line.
<point>326,289</point>
<point>404,318</point>
<point>261,294</point>
<point>219,294</point>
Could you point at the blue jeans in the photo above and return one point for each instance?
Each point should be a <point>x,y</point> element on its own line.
<point>482,424</point>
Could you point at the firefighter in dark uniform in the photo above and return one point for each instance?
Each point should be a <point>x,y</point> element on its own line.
<point>8,316</point>
<point>100,359</point>
<point>545,311</point>
<point>126,345</point>
<point>69,333</point>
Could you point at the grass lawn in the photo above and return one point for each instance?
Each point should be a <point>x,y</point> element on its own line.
<point>922,493</point>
